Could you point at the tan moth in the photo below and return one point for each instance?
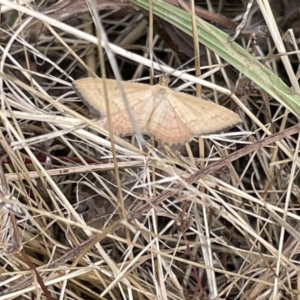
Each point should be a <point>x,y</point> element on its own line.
<point>169,116</point>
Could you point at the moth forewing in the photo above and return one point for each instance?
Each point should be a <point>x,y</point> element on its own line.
<point>203,117</point>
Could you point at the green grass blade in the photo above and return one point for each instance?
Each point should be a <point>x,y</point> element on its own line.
<point>217,41</point>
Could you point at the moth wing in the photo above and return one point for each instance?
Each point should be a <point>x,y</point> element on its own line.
<point>141,112</point>
<point>200,116</point>
<point>165,125</point>
<point>91,91</point>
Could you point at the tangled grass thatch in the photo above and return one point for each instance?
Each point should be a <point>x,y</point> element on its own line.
<point>71,189</point>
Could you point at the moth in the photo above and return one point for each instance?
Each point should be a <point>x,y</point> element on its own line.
<point>169,116</point>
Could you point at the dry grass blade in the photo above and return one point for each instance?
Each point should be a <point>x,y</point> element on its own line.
<point>217,217</point>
